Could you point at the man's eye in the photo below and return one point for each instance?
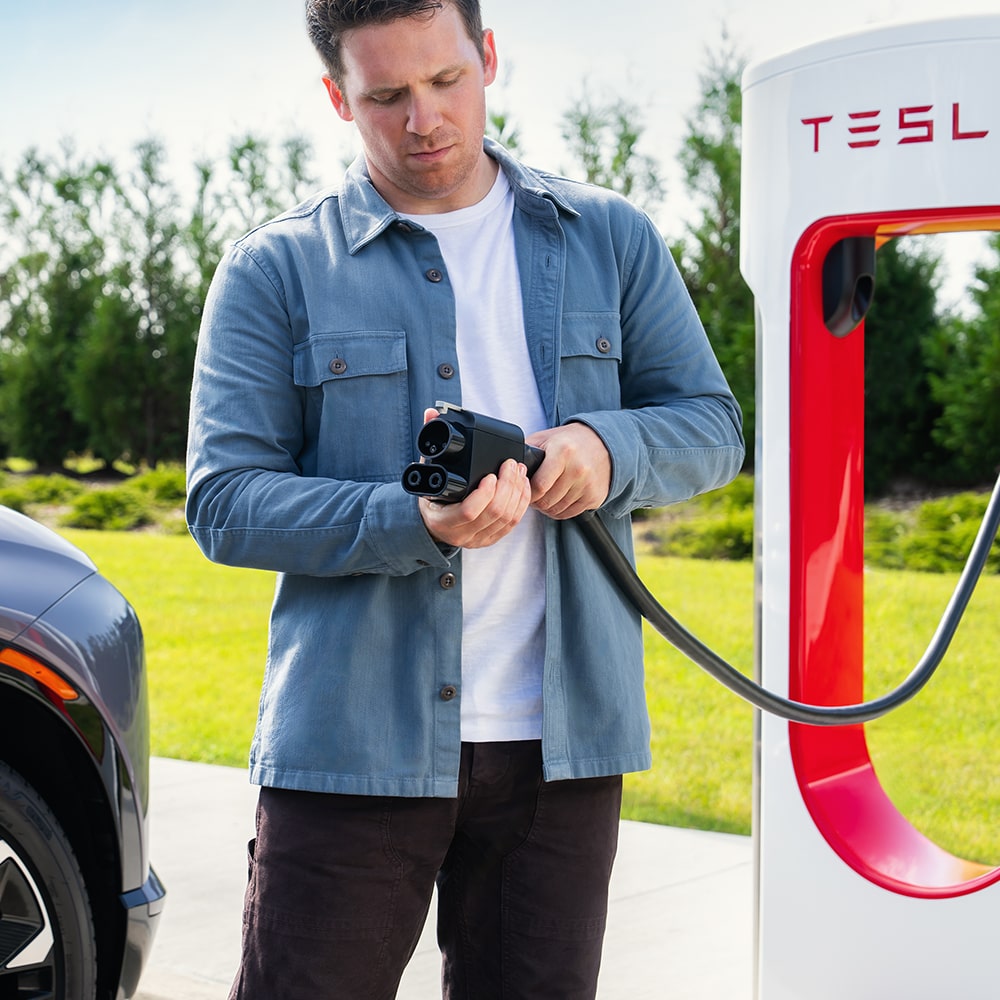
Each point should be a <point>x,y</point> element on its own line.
<point>383,99</point>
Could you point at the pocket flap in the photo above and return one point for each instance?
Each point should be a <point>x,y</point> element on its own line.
<point>327,356</point>
<point>592,335</point>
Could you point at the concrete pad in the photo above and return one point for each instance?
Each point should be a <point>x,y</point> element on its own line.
<point>680,920</point>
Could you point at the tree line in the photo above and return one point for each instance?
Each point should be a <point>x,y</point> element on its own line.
<point>103,272</point>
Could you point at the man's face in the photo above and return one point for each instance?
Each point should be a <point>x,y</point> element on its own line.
<point>415,89</point>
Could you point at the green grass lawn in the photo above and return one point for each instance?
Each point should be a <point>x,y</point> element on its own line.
<point>206,625</point>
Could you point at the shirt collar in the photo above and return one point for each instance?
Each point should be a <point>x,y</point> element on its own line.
<point>366,215</point>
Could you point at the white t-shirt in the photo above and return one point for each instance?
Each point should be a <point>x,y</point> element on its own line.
<point>503,585</point>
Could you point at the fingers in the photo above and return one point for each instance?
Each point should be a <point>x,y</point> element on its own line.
<point>486,515</point>
<point>576,473</point>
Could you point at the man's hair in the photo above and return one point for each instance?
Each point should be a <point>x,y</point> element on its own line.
<point>328,20</point>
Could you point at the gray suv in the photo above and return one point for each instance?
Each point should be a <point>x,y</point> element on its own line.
<point>78,899</point>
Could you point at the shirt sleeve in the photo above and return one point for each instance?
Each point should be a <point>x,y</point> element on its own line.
<point>248,502</point>
<point>679,431</point>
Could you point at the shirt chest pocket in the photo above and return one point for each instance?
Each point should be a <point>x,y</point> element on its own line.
<point>356,404</point>
<point>590,358</point>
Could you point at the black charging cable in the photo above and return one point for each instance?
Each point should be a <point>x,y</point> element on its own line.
<point>635,590</point>
<point>470,457</point>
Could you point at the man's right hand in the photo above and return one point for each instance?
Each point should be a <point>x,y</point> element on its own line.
<point>489,512</point>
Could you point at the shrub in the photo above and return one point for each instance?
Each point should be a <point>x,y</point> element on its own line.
<point>165,484</point>
<point>727,535</point>
<point>938,552</point>
<point>23,492</point>
<point>51,489</point>
<point>737,495</point>
<point>884,534</point>
<point>944,532</point>
<point>120,508</point>
<point>947,512</point>
<point>11,496</point>
<point>935,538</point>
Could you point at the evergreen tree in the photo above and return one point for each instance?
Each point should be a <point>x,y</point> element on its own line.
<point>53,274</point>
<point>131,383</point>
<point>500,127</point>
<point>604,140</point>
<point>899,410</point>
<point>102,281</point>
<point>259,184</point>
<point>964,359</point>
<point>708,254</point>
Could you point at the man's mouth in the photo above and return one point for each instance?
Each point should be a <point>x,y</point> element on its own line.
<point>431,155</point>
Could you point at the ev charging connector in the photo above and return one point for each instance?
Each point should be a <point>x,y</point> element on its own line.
<point>460,448</point>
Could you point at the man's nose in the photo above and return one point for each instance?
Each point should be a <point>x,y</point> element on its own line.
<point>424,114</point>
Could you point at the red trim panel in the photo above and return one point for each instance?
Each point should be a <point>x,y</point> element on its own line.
<point>826,646</point>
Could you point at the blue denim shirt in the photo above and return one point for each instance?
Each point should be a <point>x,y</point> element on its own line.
<point>326,333</point>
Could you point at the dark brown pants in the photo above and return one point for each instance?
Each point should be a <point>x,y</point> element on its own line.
<point>340,886</point>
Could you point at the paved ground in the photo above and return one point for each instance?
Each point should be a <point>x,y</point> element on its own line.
<point>680,921</point>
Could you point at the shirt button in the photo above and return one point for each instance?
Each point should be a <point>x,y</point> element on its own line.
<point>604,345</point>
<point>448,692</point>
<point>446,370</point>
<point>338,366</point>
<point>433,274</point>
<point>447,581</point>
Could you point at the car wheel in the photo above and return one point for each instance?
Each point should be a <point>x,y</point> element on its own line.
<point>47,949</point>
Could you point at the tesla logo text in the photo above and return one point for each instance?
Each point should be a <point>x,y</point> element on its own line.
<point>914,124</point>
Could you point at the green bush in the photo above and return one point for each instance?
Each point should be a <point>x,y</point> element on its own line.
<point>948,512</point>
<point>51,489</point>
<point>935,538</point>
<point>726,535</point>
<point>714,525</point>
<point>120,508</point>
<point>884,534</point>
<point>939,551</point>
<point>735,496</point>
<point>165,484</point>
<point>11,496</point>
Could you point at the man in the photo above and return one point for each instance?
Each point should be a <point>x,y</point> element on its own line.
<point>452,691</point>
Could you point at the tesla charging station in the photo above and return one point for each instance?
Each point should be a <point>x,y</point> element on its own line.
<point>847,144</point>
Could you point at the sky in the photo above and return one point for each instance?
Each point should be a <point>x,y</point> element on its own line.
<point>197,73</point>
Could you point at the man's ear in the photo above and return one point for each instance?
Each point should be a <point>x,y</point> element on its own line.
<point>337,99</point>
<point>490,62</point>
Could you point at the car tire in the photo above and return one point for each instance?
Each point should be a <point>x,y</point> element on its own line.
<point>47,946</point>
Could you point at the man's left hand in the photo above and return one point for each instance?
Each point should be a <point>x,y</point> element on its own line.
<point>576,473</point>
